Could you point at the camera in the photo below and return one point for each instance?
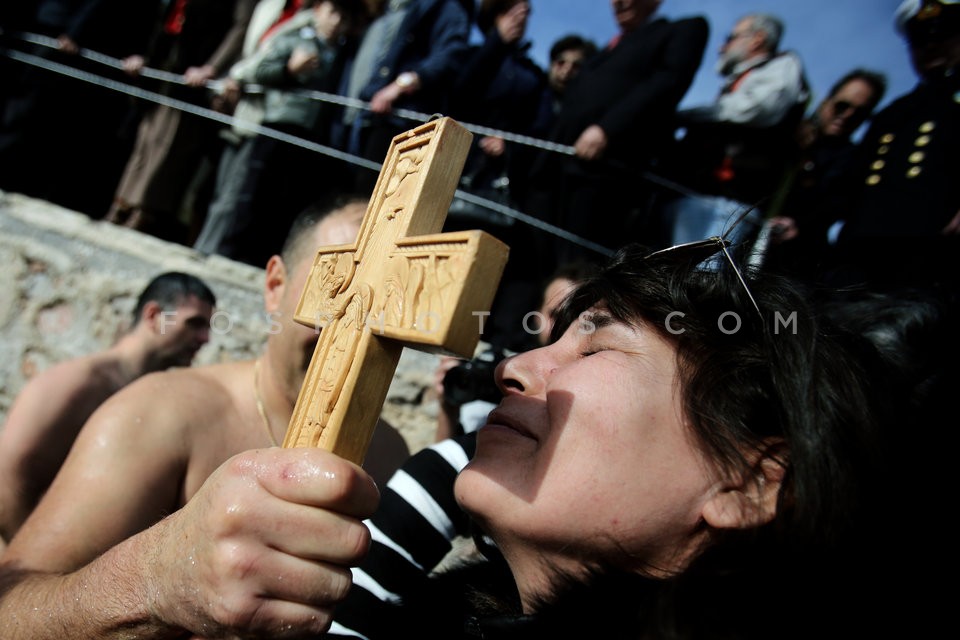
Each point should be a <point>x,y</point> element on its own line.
<point>473,380</point>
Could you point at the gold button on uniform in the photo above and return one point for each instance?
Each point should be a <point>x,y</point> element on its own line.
<point>922,141</point>
<point>883,150</point>
<point>913,172</point>
<point>927,127</point>
<point>873,179</point>
<point>877,165</point>
<point>886,138</point>
<point>916,156</point>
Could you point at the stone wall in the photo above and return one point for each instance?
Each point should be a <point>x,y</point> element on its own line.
<point>68,286</point>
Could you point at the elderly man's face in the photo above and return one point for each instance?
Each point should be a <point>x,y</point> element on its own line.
<point>740,44</point>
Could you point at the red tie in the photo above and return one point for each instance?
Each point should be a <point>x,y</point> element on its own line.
<point>288,12</point>
<point>733,86</point>
<point>174,23</point>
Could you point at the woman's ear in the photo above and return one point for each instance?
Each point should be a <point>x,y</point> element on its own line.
<point>749,500</point>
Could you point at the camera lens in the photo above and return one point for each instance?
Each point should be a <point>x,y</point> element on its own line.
<point>472,380</point>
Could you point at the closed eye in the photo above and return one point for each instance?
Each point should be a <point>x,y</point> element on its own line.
<point>593,351</point>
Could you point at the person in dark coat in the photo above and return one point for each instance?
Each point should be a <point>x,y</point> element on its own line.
<point>614,116</point>
<point>499,86</point>
<point>50,121</point>
<point>200,39</point>
<point>816,190</point>
<point>407,59</point>
<point>904,228</point>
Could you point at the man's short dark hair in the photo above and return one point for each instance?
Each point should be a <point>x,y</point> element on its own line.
<point>170,289</point>
<point>876,80</point>
<point>572,41</point>
<point>310,217</point>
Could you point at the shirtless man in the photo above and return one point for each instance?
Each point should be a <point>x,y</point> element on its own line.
<point>118,481</point>
<point>171,321</point>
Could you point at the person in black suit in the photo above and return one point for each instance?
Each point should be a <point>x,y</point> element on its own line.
<point>614,115</point>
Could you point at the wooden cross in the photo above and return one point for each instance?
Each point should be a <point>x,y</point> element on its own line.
<point>394,287</point>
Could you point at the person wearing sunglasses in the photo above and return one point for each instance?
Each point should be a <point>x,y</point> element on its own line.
<point>816,189</point>
<point>908,197</point>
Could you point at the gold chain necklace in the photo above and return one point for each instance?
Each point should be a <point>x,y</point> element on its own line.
<point>260,409</point>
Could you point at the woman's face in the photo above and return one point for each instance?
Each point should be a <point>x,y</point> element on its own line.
<point>588,457</point>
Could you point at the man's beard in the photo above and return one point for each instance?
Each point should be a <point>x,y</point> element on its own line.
<point>727,63</point>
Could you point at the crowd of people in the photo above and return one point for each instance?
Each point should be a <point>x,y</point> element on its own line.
<point>722,434</point>
<point>229,189</point>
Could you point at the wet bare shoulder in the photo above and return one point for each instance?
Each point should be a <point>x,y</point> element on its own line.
<point>188,393</point>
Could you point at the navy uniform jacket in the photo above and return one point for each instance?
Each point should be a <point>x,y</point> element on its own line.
<point>910,167</point>
<point>909,190</point>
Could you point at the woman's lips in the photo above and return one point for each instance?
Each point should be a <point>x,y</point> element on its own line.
<point>503,420</point>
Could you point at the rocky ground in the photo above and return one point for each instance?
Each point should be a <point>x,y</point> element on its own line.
<point>68,283</point>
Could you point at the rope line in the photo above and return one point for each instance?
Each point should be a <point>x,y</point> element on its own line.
<point>193,109</point>
<point>322,96</point>
<point>186,107</point>
<point>333,98</point>
<point>255,89</point>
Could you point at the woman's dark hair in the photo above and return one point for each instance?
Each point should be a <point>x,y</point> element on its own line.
<point>784,377</point>
<point>749,377</point>
<point>915,331</point>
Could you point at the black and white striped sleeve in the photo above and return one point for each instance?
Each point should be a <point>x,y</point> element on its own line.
<point>412,531</point>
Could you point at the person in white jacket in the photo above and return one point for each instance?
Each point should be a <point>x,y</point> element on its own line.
<point>735,148</point>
